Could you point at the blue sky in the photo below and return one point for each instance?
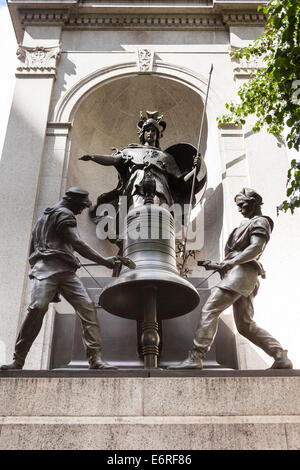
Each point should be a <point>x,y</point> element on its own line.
<point>2,3</point>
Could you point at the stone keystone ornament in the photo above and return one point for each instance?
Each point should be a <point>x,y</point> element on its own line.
<point>145,60</point>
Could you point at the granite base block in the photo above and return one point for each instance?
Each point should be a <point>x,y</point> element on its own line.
<point>157,396</point>
<point>137,413</point>
<point>144,434</point>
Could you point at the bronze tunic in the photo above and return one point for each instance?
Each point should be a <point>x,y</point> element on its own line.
<point>136,159</point>
<point>243,278</point>
<point>50,253</point>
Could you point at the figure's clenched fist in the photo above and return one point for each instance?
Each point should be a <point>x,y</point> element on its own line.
<point>113,261</point>
<point>197,161</point>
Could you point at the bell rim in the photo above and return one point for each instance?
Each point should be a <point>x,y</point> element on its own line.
<point>186,294</point>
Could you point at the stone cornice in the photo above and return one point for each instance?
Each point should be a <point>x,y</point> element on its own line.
<point>140,21</point>
<point>146,15</point>
<point>243,18</point>
<point>145,21</point>
<point>138,6</point>
<point>44,17</point>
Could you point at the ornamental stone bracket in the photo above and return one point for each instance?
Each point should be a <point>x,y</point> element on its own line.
<point>39,60</point>
<point>145,59</point>
<point>243,67</point>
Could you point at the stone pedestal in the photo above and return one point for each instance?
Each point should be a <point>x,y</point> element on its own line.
<point>150,410</point>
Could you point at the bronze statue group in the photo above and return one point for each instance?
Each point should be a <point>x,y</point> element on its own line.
<point>55,238</point>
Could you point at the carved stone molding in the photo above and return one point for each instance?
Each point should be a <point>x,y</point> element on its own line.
<point>246,18</point>
<point>143,20</point>
<point>41,60</point>
<point>58,129</point>
<point>44,17</point>
<point>115,21</point>
<point>75,14</point>
<point>242,67</point>
<point>148,21</point>
<point>145,60</point>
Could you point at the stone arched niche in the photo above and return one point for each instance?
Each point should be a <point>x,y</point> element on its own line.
<point>107,118</point>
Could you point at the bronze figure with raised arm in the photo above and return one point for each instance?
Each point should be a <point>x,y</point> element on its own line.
<point>167,167</point>
<point>239,284</point>
<point>53,270</point>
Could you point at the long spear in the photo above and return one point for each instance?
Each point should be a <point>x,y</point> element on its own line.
<point>193,174</point>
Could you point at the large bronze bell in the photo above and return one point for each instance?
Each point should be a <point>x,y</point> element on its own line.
<point>154,290</point>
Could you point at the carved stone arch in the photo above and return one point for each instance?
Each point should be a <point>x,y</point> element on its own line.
<point>67,106</point>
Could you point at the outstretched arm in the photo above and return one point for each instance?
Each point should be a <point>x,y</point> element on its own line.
<point>72,236</point>
<point>107,160</point>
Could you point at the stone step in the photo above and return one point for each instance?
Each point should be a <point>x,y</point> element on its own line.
<point>148,433</point>
<point>115,413</point>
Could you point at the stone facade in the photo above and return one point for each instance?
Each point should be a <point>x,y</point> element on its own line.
<point>85,71</point>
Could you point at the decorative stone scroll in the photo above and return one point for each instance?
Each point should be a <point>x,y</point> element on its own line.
<point>38,59</point>
<point>145,60</point>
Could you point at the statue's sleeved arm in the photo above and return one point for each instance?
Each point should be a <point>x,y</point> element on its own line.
<point>64,219</point>
<point>262,227</point>
<point>252,251</point>
<point>71,235</point>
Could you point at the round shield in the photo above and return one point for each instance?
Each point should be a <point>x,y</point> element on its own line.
<point>184,154</point>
